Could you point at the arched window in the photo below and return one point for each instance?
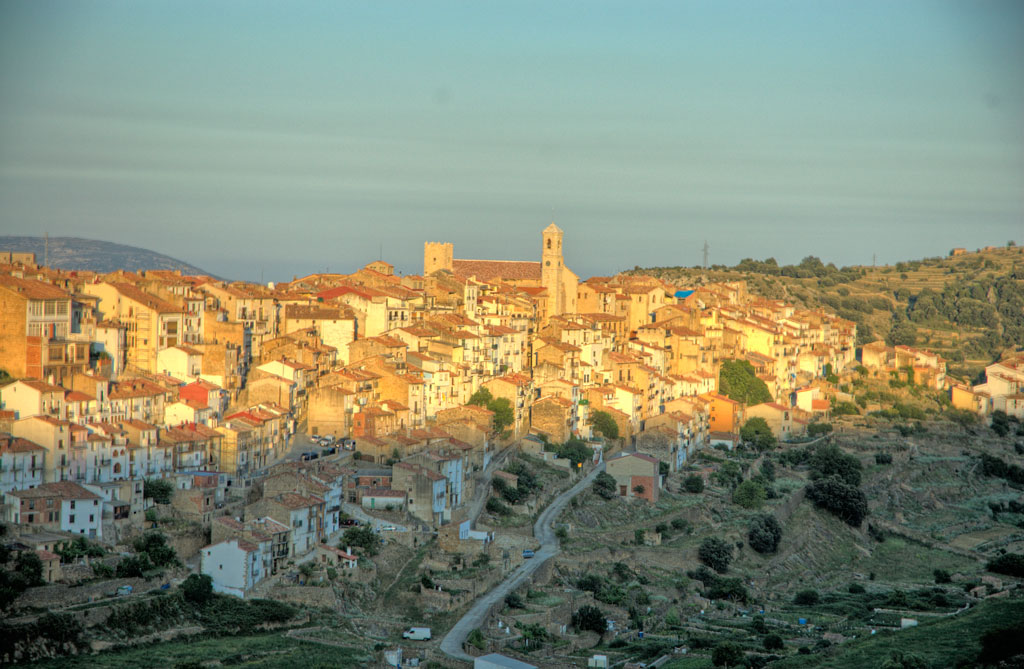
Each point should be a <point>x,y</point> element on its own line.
<point>117,467</point>
<point>549,243</point>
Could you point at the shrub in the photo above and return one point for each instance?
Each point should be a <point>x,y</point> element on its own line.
<point>807,598</point>
<point>476,639</point>
<point>159,490</point>
<point>942,576</point>
<point>693,483</point>
<point>749,495</point>
<point>197,589</point>
<point>856,589</point>
<point>605,486</point>
<point>1011,564</point>
<point>727,654</point>
<point>830,461</point>
<point>773,642</point>
<point>515,601</point>
<point>590,618</point>
<point>680,524</point>
<point>497,507</point>
<point>883,458</point>
<point>715,553</point>
<point>764,533</point>
<point>818,429</point>
<point>840,499</point>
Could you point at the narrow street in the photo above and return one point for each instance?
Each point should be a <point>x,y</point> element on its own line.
<point>452,643</point>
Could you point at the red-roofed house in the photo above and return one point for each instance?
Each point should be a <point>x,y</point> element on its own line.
<point>236,565</point>
<point>636,475</point>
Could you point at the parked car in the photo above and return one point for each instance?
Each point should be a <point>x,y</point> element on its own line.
<point>349,522</point>
<point>310,455</point>
<point>527,553</point>
<point>388,528</point>
<point>348,444</point>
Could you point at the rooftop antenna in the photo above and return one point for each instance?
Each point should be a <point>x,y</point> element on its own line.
<point>46,249</point>
<point>706,248</point>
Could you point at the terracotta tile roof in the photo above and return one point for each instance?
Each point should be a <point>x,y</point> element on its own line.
<point>41,386</point>
<point>62,489</point>
<point>32,290</point>
<point>142,297</point>
<point>491,270</point>
<point>9,444</point>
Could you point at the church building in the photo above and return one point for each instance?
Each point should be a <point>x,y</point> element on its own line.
<point>551,274</point>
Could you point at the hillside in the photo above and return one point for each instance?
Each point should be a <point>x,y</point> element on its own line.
<point>968,308</point>
<point>73,253</point>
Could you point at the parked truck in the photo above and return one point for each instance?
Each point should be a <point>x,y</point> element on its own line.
<point>417,633</point>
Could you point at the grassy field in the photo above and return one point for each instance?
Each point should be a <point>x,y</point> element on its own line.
<point>266,650</point>
<point>947,642</point>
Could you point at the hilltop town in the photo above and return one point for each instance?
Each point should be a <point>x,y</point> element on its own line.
<point>521,462</point>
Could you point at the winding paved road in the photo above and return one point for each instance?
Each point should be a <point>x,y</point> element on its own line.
<point>452,643</point>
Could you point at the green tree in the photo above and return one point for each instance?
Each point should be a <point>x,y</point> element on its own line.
<point>605,424</point>
<point>154,546</point>
<point>840,499</point>
<point>1011,564</point>
<point>159,490</point>
<point>749,495</point>
<point>727,654</point>
<point>605,486</point>
<point>807,598</point>
<point>482,397</point>
<point>503,414</point>
<point>773,642</point>
<point>715,553</point>
<point>756,431</point>
<point>30,568</point>
<point>198,589</point>
<point>589,618</point>
<point>738,381</point>
<point>828,460</point>
<point>361,537</point>
<point>764,533</point>
<point>693,483</point>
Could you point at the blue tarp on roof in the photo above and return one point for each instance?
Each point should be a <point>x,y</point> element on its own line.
<point>683,294</point>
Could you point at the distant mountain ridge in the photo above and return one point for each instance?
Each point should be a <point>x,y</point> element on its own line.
<point>74,253</point>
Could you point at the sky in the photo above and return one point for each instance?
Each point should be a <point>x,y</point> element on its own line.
<point>264,140</point>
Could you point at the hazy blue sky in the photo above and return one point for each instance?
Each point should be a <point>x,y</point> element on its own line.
<point>288,137</point>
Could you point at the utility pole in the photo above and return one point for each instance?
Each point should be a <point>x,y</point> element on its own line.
<point>706,247</point>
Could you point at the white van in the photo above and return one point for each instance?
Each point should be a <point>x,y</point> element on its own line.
<point>417,633</point>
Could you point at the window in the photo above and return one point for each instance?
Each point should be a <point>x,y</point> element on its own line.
<point>91,518</point>
<point>71,519</point>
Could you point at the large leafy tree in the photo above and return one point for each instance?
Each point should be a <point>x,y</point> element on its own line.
<point>829,461</point>
<point>605,424</point>
<point>589,618</point>
<point>841,499</point>
<point>737,381</point>
<point>756,431</point>
<point>715,553</point>
<point>764,533</point>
